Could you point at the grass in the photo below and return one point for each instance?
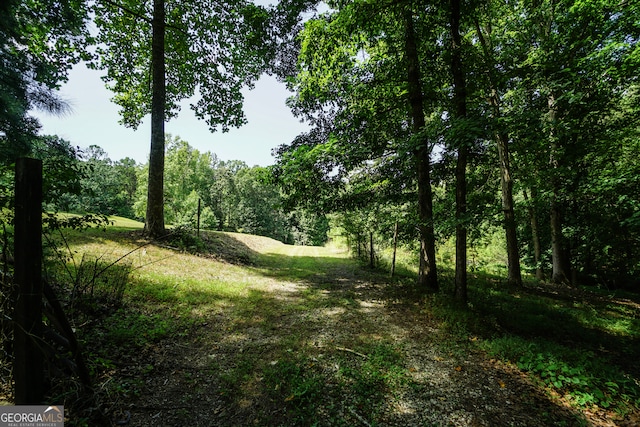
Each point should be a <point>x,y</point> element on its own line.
<point>578,346</point>
<point>266,319</point>
<point>170,292</point>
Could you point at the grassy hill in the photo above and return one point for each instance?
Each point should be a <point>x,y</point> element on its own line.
<point>232,330</point>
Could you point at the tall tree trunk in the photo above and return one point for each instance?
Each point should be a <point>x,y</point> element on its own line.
<point>559,258</point>
<point>461,227</point>
<point>459,113</point>
<point>559,273</point>
<point>427,273</point>
<point>154,223</point>
<point>535,235</point>
<point>514,274</point>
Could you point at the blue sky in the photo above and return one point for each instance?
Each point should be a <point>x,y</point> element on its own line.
<point>93,120</point>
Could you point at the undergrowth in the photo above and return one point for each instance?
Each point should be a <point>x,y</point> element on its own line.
<point>584,378</point>
<point>569,344</point>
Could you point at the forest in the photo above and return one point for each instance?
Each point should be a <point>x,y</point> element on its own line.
<point>455,241</point>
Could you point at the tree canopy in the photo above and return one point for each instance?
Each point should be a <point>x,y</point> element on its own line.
<point>543,91</point>
<point>38,46</point>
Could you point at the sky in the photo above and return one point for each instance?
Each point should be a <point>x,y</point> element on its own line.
<point>93,120</point>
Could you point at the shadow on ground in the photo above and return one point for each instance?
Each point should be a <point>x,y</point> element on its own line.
<point>317,340</point>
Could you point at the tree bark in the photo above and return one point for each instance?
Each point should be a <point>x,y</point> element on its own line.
<point>535,236</point>
<point>558,251</point>
<point>559,258</point>
<point>154,223</point>
<point>427,273</point>
<point>459,113</point>
<point>514,274</point>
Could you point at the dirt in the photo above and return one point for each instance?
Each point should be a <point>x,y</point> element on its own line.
<point>456,386</point>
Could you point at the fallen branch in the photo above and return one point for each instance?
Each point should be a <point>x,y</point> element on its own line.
<point>362,420</point>
<point>352,351</point>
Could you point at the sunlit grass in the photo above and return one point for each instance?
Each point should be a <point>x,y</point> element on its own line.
<point>294,288</point>
<point>120,222</point>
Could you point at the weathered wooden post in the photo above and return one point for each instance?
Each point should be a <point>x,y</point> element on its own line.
<point>28,365</point>
<point>372,263</point>
<point>395,249</point>
<point>199,212</point>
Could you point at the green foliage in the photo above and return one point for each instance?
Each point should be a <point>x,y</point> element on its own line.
<point>257,204</point>
<point>351,86</point>
<point>61,169</point>
<point>107,187</point>
<point>195,32</point>
<point>308,228</point>
<point>184,237</point>
<point>85,181</point>
<point>137,330</point>
<point>586,378</point>
<point>380,372</point>
<point>296,384</point>
<point>89,285</point>
<point>38,46</point>
<point>231,195</point>
<point>188,176</point>
<point>567,113</point>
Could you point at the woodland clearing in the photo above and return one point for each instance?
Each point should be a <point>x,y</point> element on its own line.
<point>249,331</point>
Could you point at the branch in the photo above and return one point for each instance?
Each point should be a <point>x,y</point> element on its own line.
<point>352,351</point>
<point>129,11</point>
<point>144,18</point>
<point>362,420</point>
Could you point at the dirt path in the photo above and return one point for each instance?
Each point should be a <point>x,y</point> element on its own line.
<point>312,318</point>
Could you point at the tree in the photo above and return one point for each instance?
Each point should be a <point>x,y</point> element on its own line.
<point>107,187</point>
<point>545,93</point>
<point>158,55</point>
<point>126,175</point>
<point>459,114</point>
<point>38,46</point>
<point>360,82</point>
<point>258,204</point>
<point>224,195</point>
<point>188,176</point>
<point>495,69</point>
<point>62,171</point>
<point>569,93</point>
<point>308,228</point>
<point>427,273</point>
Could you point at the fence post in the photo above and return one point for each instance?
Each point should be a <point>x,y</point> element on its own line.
<point>199,212</point>
<point>395,249</point>
<point>28,365</point>
<point>372,263</point>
